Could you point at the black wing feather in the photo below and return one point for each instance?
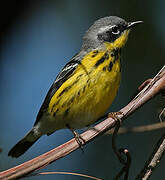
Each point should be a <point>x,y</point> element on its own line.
<point>66,72</point>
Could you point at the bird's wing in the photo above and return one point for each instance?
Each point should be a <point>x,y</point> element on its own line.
<point>65,73</point>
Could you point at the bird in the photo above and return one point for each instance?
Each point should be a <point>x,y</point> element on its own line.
<point>86,86</point>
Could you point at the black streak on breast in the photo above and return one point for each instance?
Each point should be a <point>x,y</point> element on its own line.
<point>54,114</point>
<point>95,53</point>
<point>103,58</point>
<point>67,88</point>
<point>110,66</point>
<point>116,54</point>
<point>66,112</point>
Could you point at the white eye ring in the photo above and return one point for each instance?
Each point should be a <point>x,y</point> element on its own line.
<point>115,30</point>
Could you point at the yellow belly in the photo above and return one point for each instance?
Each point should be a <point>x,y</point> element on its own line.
<point>92,90</point>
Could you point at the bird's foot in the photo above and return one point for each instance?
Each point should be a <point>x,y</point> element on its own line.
<point>78,138</point>
<point>114,115</point>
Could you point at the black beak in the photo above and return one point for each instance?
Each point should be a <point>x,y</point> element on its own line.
<point>133,24</point>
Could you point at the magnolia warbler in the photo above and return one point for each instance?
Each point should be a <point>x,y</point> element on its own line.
<point>86,86</point>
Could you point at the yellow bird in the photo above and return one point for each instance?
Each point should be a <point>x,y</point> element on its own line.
<point>86,86</point>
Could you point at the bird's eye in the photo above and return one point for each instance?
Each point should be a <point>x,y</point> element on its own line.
<point>115,30</point>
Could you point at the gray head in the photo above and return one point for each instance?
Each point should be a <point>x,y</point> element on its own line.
<point>107,29</point>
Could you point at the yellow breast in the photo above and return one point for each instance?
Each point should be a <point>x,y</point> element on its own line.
<point>104,79</point>
<point>88,92</point>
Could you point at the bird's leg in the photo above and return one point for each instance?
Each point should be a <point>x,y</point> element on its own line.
<point>77,137</point>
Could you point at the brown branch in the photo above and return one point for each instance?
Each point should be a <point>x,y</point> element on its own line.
<point>68,173</point>
<point>139,129</point>
<point>156,86</point>
<point>162,114</point>
<point>153,160</point>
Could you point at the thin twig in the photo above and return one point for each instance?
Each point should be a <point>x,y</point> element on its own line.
<point>153,160</point>
<point>127,165</point>
<point>67,173</point>
<point>139,129</point>
<point>162,115</point>
<point>156,86</point>
<point>126,162</point>
<point>114,147</point>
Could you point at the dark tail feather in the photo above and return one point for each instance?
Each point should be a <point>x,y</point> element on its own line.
<point>23,145</point>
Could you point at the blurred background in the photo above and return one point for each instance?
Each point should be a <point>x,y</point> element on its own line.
<point>37,38</point>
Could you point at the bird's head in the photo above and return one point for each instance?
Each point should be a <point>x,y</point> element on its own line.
<point>109,31</point>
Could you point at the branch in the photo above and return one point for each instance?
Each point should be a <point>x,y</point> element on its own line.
<point>153,160</point>
<point>139,129</point>
<point>156,86</point>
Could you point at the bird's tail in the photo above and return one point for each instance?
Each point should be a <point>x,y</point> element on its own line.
<point>24,144</point>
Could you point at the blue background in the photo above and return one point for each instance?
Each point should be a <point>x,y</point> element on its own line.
<point>39,43</point>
